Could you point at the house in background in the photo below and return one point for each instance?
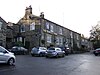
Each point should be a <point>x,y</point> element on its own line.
<point>11,34</point>
<point>3,27</point>
<point>34,31</point>
<point>38,31</point>
<point>86,44</point>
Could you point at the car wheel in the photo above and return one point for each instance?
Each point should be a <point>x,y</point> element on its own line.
<point>40,55</point>
<point>96,54</point>
<point>67,54</point>
<point>57,55</point>
<point>32,54</point>
<point>11,61</point>
<point>63,55</point>
<point>47,57</point>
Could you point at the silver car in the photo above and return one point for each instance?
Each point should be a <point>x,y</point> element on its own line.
<point>6,56</point>
<point>55,52</point>
<point>40,51</point>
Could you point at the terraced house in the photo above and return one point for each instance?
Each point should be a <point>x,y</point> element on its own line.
<point>35,30</point>
<point>3,26</point>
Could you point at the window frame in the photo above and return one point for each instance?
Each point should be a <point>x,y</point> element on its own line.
<point>32,26</point>
<point>47,26</point>
<point>49,37</point>
<point>1,25</point>
<point>22,29</point>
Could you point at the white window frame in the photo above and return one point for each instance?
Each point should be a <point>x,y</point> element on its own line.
<point>20,39</point>
<point>1,25</point>
<point>82,40</point>
<point>52,28</point>
<point>71,43</point>
<point>61,40</point>
<point>60,30</point>
<point>77,37</point>
<point>71,34</point>
<point>47,25</point>
<point>49,38</point>
<point>57,40</point>
<point>78,45</point>
<point>32,26</point>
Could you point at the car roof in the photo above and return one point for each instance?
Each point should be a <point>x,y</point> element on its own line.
<point>98,49</point>
<point>39,47</point>
<point>55,47</point>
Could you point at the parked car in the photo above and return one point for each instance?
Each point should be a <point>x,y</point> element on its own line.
<point>92,51</point>
<point>40,51</point>
<point>96,52</point>
<point>6,56</point>
<point>55,52</point>
<point>66,49</point>
<point>19,50</point>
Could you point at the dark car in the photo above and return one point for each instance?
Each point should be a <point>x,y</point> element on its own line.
<point>55,52</point>
<point>96,51</point>
<point>19,50</point>
<point>66,49</point>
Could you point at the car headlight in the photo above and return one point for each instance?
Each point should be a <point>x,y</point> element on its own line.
<point>63,51</point>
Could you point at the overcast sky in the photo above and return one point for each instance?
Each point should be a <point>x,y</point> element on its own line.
<point>77,15</point>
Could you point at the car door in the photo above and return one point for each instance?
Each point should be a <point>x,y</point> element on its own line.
<point>59,52</point>
<point>3,56</point>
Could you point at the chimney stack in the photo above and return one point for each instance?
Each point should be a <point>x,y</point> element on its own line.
<point>42,14</point>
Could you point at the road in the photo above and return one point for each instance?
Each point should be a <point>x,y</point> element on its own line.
<point>75,64</point>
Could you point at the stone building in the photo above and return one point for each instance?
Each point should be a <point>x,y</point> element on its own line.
<point>11,34</point>
<point>32,30</point>
<point>38,31</point>
<point>3,26</point>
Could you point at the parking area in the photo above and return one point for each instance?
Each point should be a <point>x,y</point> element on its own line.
<point>76,64</point>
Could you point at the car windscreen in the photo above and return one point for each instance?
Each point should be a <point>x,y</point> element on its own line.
<point>34,49</point>
<point>2,49</point>
<point>51,48</point>
<point>42,48</point>
<point>58,49</point>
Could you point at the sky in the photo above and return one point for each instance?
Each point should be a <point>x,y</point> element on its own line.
<point>77,15</point>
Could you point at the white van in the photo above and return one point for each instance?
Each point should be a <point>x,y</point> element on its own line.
<point>6,56</point>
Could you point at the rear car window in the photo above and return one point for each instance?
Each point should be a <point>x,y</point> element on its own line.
<point>42,48</point>
<point>34,48</point>
<point>51,48</point>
